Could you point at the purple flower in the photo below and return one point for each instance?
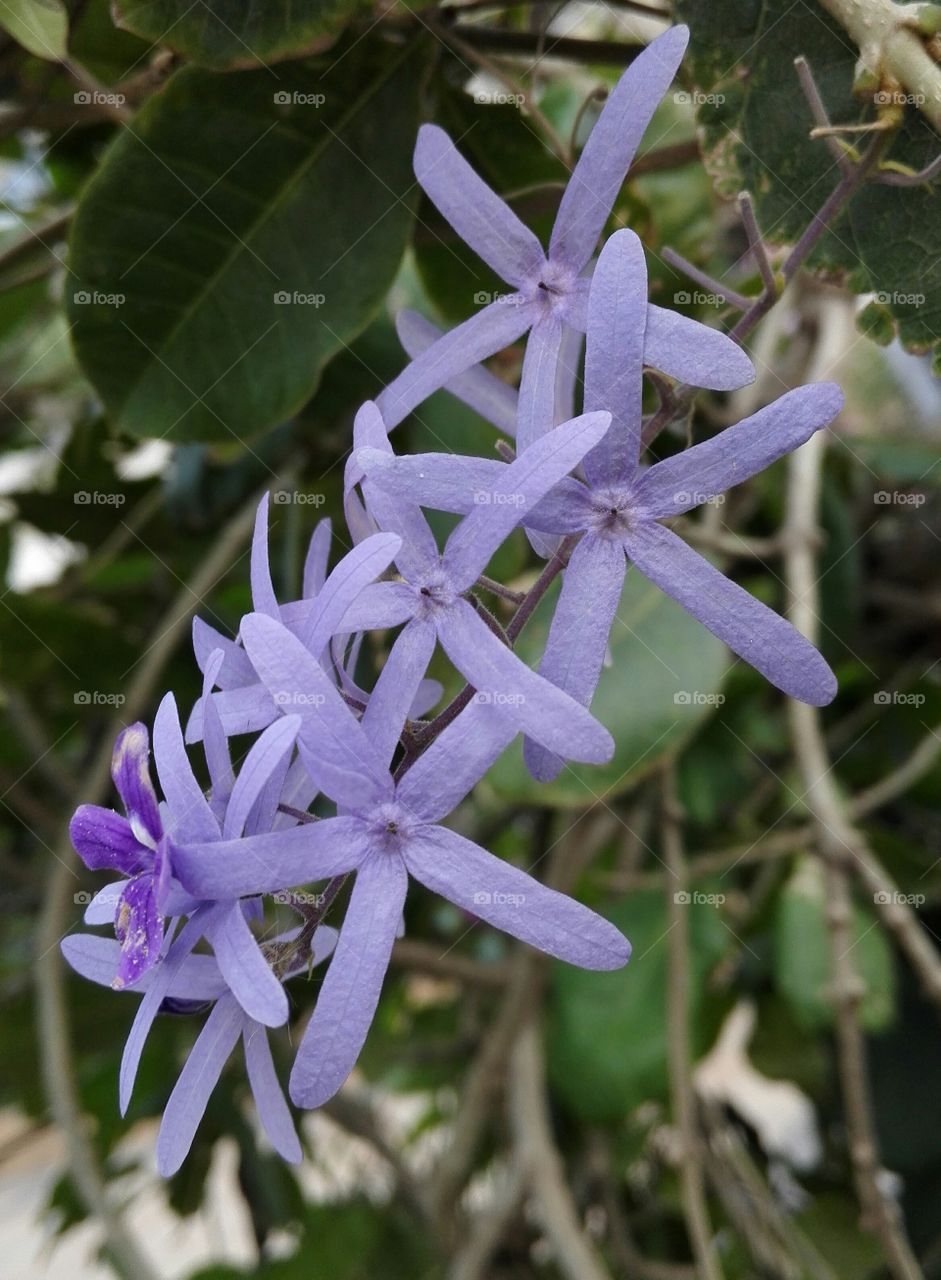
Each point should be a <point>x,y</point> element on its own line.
<point>389,829</point>
<point>620,506</point>
<point>550,290</point>
<point>137,847</point>
<point>431,597</point>
<point>197,980</point>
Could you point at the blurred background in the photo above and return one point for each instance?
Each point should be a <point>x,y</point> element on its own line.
<point>207,225</point>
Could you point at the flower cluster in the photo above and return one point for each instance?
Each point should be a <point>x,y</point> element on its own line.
<point>197,867</point>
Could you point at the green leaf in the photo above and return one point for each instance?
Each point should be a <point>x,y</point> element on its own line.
<point>756,132</point>
<point>664,678</point>
<point>230,195</point>
<point>802,954</point>
<point>226,33</point>
<point>40,26</point>
<point>607,1036</point>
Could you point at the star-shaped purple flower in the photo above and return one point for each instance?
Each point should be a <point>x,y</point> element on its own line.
<point>619,507</point>
<point>550,289</point>
<point>388,830</point>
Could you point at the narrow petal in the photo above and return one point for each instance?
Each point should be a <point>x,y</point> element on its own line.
<point>764,639</point>
<point>441,481</point>
<point>474,210</point>
<point>243,710</point>
<point>236,670</point>
<point>350,991</point>
<point>105,842</point>
<point>245,969</point>
<point>358,569</point>
<point>523,483</point>
<point>455,762</point>
<point>536,409</point>
<point>488,331</point>
<point>614,356</point>
<point>130,770</point>
<point>95,958</point>
<point>607,155</point>
<point>215,742</point>
<point>187,1104</point>
<point>395,690</point>
<point>692,352</point>
<point>264,599</point>
<point>380,605</point>
<point>300,686</point>
<point>269,1097</point>
<point>190,815</point>
<point>163,979</point>
<point>513,901</point>
<point>501,678</point>
<point>478,388</point>
<point>566,509</point>
<point>578,637</point>
<point>318,557</point>
<point>266,755</point>
<point>695,475</point>
<point>229,869</point>
<point>104,905</point>
<point>138,927</point>
<point>567,374</point>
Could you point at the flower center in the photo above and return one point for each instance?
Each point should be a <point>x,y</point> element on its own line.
<point>435,592</point>
<point>390,826</point>
<point>612,512</point>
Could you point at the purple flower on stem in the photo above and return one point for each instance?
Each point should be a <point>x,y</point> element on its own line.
<point>431,599</point>
<point>198,981</point>
<point>618,510</point>
<point>550,289</point>
<point>389,829</point>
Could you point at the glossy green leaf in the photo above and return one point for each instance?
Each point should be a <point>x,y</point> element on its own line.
<point>663,680</point>
<point>216,269</point>
<point>40,26</point>
<point>225,33</point>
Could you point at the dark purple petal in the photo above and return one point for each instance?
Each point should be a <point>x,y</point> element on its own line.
<point>509,899</point>
<point>578,637</point>
<point>752,630</point>
<point>138,927</point>
<point>104,841</point>
<point>130,769</point>
<point>350,991</point>
<point>607,155</point>
<point>480,217</point>
<point>187,1104</point>
<point>695,475</point>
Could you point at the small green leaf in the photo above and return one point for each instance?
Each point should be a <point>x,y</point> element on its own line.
<point>40,26</point>
<point>664,679</point>
<point>216,270</point>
